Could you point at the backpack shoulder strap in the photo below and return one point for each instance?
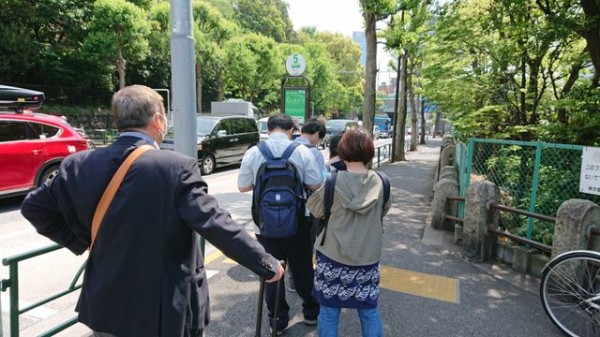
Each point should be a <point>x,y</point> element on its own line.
<point>289,150</point>
<point>266,152</point>
<point>328,201</point>
<point>328,194</point>
<point>386,186</point>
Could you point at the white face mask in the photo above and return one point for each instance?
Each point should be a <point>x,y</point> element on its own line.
<point>163,132</point>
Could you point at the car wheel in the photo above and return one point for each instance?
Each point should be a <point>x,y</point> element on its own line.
<point>49,174</point>
<point>207,166</point>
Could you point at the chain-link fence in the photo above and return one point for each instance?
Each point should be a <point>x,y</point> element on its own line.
<point>533,176</point>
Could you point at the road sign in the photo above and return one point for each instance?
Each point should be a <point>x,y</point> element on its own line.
<point>589,180</point>
<point>295,64</point>
<point>295,103</point>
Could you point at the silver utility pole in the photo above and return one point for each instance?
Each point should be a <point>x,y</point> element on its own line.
<point>183,74</point>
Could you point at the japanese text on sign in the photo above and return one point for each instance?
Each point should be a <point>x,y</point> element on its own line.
<point>589,180</point>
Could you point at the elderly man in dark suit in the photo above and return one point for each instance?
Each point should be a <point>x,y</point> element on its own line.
<point>145,273</point>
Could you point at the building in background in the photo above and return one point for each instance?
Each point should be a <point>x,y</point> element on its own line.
<point>361,39</point>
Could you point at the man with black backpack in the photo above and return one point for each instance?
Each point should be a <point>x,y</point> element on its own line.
<point>278,171</point>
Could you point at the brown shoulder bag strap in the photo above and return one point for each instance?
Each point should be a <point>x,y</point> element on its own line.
<point>112,188</point>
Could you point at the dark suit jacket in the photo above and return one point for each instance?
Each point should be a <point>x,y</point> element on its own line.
<point>145,275</point>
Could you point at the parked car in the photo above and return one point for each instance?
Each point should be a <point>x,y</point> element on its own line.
<point>32,145</point>
<point>262,128</point>
<point>221,140</point>
<point>337,126</point>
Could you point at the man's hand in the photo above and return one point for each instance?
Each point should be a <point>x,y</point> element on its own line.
<point>278,274</point>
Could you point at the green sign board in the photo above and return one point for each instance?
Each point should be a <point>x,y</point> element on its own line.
<point>295,103</point>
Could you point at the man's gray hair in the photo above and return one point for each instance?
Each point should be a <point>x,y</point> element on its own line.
<point>134,107</point>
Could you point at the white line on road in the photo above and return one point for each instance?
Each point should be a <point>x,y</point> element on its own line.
<point>39,312</point>
<point>17,233</point>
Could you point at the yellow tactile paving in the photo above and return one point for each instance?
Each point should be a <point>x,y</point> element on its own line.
<point>436,287</point>
<point>229,261</point>
<point>212,256</point>
<point>425,285</point>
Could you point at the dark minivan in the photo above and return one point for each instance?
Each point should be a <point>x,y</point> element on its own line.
<point>222,140</point>
<point>336,127</point>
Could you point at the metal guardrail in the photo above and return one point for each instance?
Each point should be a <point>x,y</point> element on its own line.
<point>102,136</point>
<point>497,232</point>
<point>382,153</point>
<point>12,284</point>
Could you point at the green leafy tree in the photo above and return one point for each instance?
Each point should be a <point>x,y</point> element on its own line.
<point>155,69</point>
<point>253,66</point>
<point>118,34</point>
<point>40,39</point>
<point>266,17</point>
<point>212,31</point>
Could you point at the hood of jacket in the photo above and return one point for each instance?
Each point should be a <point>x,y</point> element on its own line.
<point>358,191</point>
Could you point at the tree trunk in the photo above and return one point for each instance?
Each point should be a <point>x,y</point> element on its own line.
<point>121,65</point>
<point>220,94</point>
<point>396,113</point>
<point>413,120</point>
<point>437,127</point>
<point>199,84</point>
<point>371,71</point>
<point>566,90</point>
<point>523,95</point>
<point>423,122</point>
<point>399,153</point>
<point>591,34</point>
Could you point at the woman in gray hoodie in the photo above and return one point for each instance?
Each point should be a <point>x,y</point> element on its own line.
<point>347,272</point>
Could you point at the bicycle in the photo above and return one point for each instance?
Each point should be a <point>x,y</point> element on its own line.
<point>570,292</point>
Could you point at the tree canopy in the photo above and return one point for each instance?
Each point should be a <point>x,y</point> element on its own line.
<point>511,69</point>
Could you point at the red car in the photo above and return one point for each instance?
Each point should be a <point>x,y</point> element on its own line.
<point>32,145</point>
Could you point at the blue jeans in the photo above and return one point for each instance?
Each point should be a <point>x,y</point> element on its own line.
<point>370,322</point>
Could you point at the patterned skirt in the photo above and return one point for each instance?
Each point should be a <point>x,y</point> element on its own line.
<point>337,285</point>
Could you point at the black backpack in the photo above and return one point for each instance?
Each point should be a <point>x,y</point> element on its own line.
<point>278,199</point>
<point>328,199</point>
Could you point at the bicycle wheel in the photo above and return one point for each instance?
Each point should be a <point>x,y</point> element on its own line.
<point>570,293</point>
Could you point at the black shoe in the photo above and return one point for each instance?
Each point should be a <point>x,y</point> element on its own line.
<point>281,327</point>
<point>279,331</point>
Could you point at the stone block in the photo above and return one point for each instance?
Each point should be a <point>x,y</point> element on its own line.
<point>521,259</point>
<point>448,172</point>
<point>537,262</point>
<point>447,155</point>
<point>458,233</point>
<point>478,215</point>
<point>440,206</point>
<point>574,220</point>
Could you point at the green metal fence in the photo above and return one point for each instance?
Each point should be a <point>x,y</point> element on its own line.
<point>533,176</point>
<point>12,285</point>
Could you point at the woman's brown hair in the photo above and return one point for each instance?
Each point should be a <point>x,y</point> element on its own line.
<point>356,146</point>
